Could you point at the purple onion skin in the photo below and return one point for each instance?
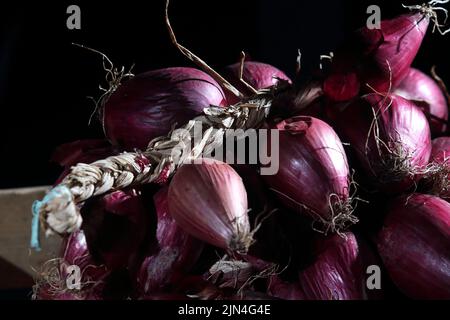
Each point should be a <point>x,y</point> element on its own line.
<point>116,227</point>
<point>374,57</point>
<point>259,75</point>
<point>311,154</point>
<point>400,121</point>
<point>440,151</point>
<point>426,94</point>
<point>74,251</point>
<point>209,201</point>
<point>337,273</point>
<point>414,245</point>
<point>284,290</point>
<point>150,104</point>
<point>176,254</point>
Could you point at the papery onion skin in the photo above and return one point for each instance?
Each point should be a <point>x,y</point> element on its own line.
<point>337,273</point>
<point>259,75</point>
<point>209,201</point>
<point>426,94</point>
<point>176,254</point>
<point>313,169</point>
<point>376,59</point>
<point>150,104</point>
<point>402,126</point>
<point>414,245</point>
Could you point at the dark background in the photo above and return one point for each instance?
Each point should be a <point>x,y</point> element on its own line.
<point>44,80</point>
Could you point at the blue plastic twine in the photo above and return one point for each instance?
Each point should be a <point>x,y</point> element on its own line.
<point>57,192</point>
<point>34,242</point>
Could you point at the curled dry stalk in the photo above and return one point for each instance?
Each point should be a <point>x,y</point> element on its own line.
<point>298,64</point>
<point>431,10</point>
<point>210,71</point>
<point>113,78</point>
<point>241,75</point>
<point>199,62</point>
<point>326,57</point>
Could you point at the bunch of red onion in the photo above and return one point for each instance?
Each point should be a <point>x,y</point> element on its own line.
<point>194,238</point>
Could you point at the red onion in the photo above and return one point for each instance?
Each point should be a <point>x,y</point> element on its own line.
<point>76,252</point>
<point>395,154</point>
<point>209,201</point>
<point>313,172</point>
<point>376,56</point>
<point>177,252</point>
<point>55,273</point>
<point>426,94</point>
<point>337,273</point>
<point>150,104</point>
<point>415,246</point>
<point>116,226</point>
<point>259,75</point>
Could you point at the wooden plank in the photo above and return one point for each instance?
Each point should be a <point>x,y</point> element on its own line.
<point>15,222</point>
<point>11,277</point>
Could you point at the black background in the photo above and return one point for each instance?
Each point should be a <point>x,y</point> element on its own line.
<point>44,80</point>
